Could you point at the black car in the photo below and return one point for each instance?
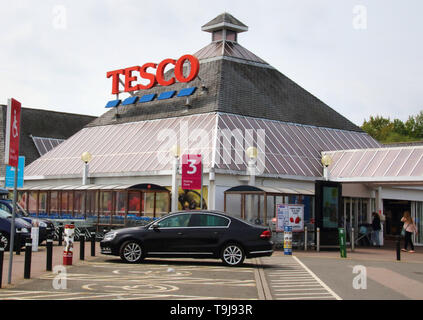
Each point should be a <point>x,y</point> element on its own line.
<point>193,234</point>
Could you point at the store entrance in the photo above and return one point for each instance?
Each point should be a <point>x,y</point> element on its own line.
<point>394,210</point>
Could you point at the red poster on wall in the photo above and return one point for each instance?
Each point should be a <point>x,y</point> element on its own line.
<point>13,126</point>
<point>191,171</point>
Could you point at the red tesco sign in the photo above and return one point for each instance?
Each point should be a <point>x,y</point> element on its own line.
<point>13,127</point>
<point>191,171</point>
<point>154,78</point>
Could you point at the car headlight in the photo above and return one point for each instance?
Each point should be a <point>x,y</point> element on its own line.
<point>24,230</point>
<point>110,235</point>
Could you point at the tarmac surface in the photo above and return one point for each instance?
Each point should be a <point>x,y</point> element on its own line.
<point>366,274</point>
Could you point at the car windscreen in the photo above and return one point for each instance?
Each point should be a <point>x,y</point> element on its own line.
<point>5,214</point>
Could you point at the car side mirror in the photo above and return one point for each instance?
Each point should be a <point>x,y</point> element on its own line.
<point>155,226</point>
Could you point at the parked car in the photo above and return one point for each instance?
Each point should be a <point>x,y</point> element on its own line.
<point>193,234</point>
<point>6,226</point>
<point>46,227</point>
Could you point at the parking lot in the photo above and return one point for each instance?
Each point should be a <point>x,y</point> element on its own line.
<point>105,277</point>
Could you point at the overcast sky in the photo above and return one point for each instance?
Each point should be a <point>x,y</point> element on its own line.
<point>362,58</point>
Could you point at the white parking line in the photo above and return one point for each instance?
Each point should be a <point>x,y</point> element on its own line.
<point>318,280</point>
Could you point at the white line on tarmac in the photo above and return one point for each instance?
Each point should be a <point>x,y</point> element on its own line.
<point>300,294</point>
<point>304,298</point>
<point>46,294</point>
<point>298,285</point>
<point>318,280</point>
<point>304,289</point>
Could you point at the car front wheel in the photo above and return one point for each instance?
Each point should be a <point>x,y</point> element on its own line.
<point>4,240</point>
<point>233,255</point>
<point>131,252</point>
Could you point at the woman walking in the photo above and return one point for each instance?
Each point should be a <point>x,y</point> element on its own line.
<point>409,228</point>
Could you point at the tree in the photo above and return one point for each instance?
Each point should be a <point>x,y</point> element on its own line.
<point>386,131</point>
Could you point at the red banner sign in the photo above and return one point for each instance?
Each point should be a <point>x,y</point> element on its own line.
<point>191,171</point>
<point>130,74</point>
<point>13,126</point>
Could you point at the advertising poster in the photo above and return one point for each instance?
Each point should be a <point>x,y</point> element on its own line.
<point>290,215</point>
<point>330,207</point>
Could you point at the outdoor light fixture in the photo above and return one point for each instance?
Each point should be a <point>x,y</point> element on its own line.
<point>252,152</point>
<point>86,157</point>
<point>252,156</point>
<point>175,150</point>
<point>326,160</point>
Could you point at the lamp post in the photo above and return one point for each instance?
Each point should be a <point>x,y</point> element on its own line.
<point>326,161</point>
<point>252,159</point>
<point>86,157</point>
<point>175,151</point>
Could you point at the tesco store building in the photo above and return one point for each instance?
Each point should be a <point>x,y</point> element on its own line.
<point>261,138</point>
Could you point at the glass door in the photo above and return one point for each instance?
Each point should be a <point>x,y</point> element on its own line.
<point>417,214</point>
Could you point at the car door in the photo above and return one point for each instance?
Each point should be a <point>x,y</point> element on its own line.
<point>206,232</point>
<point>170,234</point>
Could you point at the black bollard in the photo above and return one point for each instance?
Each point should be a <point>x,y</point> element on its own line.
<point>49,262</point>
<point>18,242</point>
<point>398,248</point>
<point>60,234</point>
<point>28,253</point>
<point>1,263</point>
<point>92,244</point>
<point>82,246</point>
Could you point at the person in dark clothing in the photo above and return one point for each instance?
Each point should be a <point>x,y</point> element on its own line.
<point>376,229</point>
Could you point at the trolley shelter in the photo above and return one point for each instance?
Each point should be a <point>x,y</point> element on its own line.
<point>259,204</point>
<point>99,205</point>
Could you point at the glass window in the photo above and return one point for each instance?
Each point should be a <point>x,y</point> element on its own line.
<point>149,204</point>
<point>92,203</point>
<point>42,209</point>
<point>134,203</point>
<point>32,203</point>
<point>22,196</point>
<point>120,203</point>
<point>179,221</point>
<point>233,205</point>
<point>162,202</point>
<point>64,202</point>
<point>4,207</point>
<point>207,220</point>
<point>79,203</point>
<point>54,202</point>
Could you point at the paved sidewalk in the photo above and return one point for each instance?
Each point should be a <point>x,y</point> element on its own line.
<point>38,261</point>
<point>385,253</point>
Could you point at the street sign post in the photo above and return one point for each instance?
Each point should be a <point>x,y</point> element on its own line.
<point>192,173</point>
<point>10,174</point>
<point>13,126</point>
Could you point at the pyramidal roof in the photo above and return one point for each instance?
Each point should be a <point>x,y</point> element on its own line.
<point>233,80</point>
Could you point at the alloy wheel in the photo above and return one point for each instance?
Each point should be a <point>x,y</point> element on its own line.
<point>233,255</point>
<point>4,241</point>
<point>132,252</point>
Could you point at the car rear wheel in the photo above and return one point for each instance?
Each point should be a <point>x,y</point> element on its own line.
<point>233,255</point>
<point>131,252</point>
<point>4,240</point>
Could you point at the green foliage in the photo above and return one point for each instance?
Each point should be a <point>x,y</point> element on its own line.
<point>386,131</point>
